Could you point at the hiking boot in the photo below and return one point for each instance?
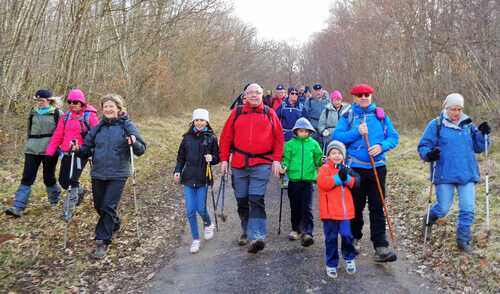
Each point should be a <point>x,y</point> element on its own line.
<point>81,195</point>
<point>350,267</point>
<point>209,232</point>
<point>331,272</point>
<point>465,247</point>
<point>195,246</point>
<point>14,211</point>
<point>384,254</point>
<point>256,246</point>
<point>307,240</point>
<point>242,241</point>
<point>293,236</point>
<point>101,249</point>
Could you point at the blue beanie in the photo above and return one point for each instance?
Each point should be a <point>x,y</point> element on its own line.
<point>43,93</point>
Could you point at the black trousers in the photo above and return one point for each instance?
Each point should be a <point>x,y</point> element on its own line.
<point>367,191</point>
<point>64,179</point>
<point>300,196</point>
<point>32,163</point>
<point>107,195</point>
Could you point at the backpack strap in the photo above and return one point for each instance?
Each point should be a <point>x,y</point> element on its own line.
<point>85,119</point>
<point>439,123</point>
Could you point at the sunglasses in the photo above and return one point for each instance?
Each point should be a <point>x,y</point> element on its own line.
<point>361,95</point>
<point>73,102</point>
<point>293,93</point>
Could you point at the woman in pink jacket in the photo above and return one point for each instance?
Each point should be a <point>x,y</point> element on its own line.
<point>72,126</point>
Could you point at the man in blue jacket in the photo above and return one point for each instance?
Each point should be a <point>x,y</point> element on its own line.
<point>366,118</point>
<point>289,112</point>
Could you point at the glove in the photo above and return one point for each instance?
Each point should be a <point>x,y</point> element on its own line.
<point>433,155</point>
<point>343,172</point>
<point>326,133</point>
<point>484,128</point>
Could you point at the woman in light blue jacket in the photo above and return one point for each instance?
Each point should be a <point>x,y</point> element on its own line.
<point>450,142</point>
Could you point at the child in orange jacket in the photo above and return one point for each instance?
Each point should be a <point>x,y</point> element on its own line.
<point>336,208</point>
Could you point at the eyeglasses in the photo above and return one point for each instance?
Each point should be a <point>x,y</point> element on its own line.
<point>361,95</point>
<point>293,93</point>
<point>73,102</point>
<point>253,93</point>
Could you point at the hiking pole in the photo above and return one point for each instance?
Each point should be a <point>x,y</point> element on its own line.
<point>136,206</point>
<point>381,192</point>
<point>429,204</point>
<point>210,184</point>
<point>487,183</point>
<point>67,200</point>
<point>223,188</point>
<point>281,204</point>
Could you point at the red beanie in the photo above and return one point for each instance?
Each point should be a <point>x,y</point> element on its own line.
<point>361,89</point>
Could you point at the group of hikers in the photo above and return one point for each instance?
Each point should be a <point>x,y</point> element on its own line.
<point>313,140</point>
<point>75,136</point>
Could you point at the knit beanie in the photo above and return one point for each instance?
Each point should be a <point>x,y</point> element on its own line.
<point>336,145</point>
<point>453,99</point>
<point>201,113</point>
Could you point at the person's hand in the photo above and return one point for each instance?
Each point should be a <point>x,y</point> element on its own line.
<point>208,158</point>
<point>375,150</point>
<point>283,170</point>
<point>131,139</point>
<point>363,129</point>
<point>484,128</point>
<point>343,172</point>
<point>434,154</point>
<point>324,159</point>
<point>177,178</point>
<point>326,133</point>
<point>224,168</point>
<point>276,168</point>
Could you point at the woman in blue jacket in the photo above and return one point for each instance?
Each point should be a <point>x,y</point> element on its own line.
<point>365,118</point>
<point>450,142</point>
<point>108,144</point>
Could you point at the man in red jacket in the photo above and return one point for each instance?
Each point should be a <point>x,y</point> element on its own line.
<point>254,136</point>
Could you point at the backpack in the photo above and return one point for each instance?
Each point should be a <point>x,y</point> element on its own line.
<point>30,123</point>
<point>239,112</point>
<point>349,115</point>
<point>83,119</point>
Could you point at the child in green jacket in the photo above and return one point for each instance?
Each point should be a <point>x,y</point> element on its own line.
<point>302,157</point>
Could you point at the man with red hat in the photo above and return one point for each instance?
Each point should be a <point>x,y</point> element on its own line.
<point>254,136</point>
<point>365,118</point>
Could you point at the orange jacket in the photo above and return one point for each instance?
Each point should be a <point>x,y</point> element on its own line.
<point>335,200</point>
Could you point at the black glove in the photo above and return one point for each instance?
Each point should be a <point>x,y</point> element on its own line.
<point>484,128</point>
<point>433,155</point>
<point>343,172</point>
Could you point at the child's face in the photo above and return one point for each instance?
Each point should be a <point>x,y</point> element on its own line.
<point>303,133</point>
<point>335,156</point>
<point>200,124</point>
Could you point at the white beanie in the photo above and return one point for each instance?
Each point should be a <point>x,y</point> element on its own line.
<point>336,145</point>
<point>453,99</point>
<point>200,113</point>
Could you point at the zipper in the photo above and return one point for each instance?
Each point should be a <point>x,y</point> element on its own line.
<point>302,162</point>
<point>343,202</point>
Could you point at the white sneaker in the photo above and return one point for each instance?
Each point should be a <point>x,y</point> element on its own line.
<point>209,232</point>
<point>331,272</point>
<point>350,267</point>
<point>195,246</point>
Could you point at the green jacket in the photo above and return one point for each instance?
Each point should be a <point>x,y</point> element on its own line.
<point>302,158</point>
<point>40,129</point>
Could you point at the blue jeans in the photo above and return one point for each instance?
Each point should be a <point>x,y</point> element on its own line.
<point>333,228</point>
<point>196,202</point>
<point>466,206</point>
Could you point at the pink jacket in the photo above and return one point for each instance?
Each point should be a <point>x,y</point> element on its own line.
<point>71,130</point>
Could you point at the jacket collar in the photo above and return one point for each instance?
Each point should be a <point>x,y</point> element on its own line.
<point>360,111</point>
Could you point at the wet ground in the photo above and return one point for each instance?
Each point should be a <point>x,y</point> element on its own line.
<point>283,266</point>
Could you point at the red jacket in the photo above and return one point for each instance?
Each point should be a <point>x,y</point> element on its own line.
<point>335,201</point>
<point>253,132</point>
<point>276,102</point>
